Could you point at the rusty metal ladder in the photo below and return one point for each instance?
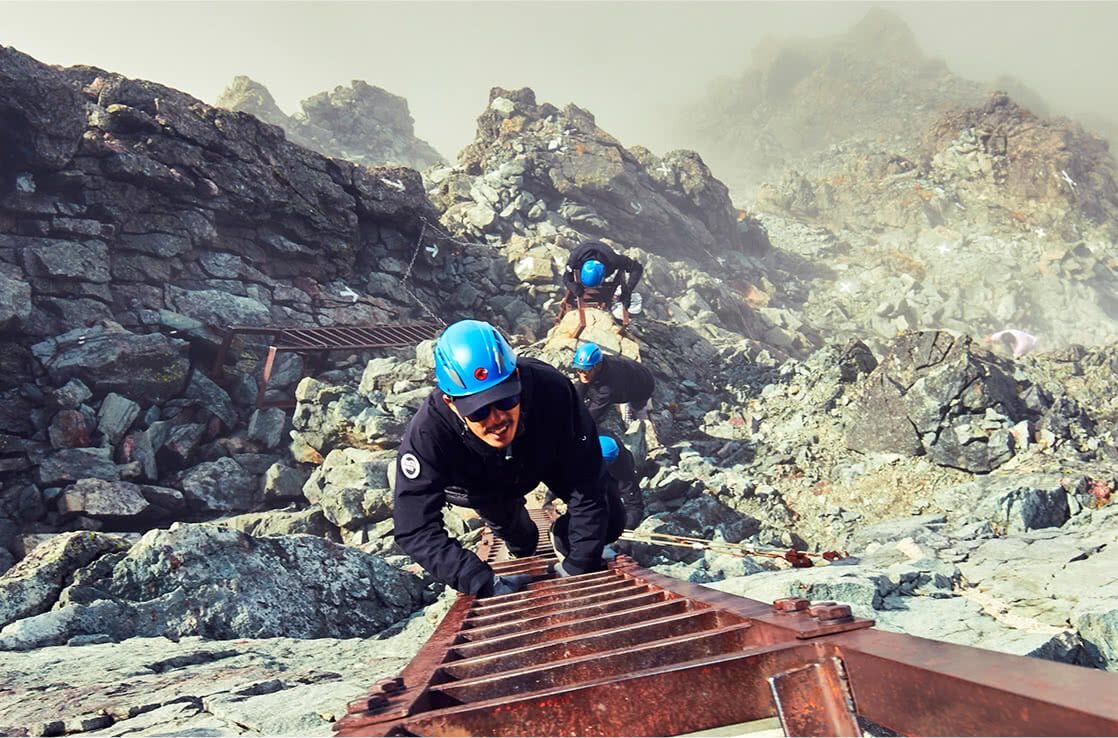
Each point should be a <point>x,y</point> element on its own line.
<point>629,652</point>
<point>320,340</point>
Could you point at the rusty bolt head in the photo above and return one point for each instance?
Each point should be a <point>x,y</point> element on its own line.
<point>393,685</point>
<point>365,704</point>
<point>791,604</point>
<point>830,611</point>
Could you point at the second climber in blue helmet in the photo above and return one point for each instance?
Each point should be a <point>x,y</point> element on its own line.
<point>599,274</point>
<point>604,381</point>
<point>496,426</point>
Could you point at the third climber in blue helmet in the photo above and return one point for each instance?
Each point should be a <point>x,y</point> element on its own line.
<point>621,472</point>
<point>621,468</point>
<point>494,428</point>
<point>595,271</point>
<point>604,381</point>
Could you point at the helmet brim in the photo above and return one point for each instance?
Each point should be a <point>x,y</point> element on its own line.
<point>507,388</point>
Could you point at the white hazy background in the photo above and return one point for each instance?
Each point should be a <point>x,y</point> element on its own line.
<point>629,63</point>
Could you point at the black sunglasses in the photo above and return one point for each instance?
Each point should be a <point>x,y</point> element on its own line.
<point>482,412</point>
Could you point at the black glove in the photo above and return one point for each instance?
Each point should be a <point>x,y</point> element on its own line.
<point>608,554</point>
<point>509,584</point>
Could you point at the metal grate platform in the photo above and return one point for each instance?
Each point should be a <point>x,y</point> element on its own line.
<point>320,340</point>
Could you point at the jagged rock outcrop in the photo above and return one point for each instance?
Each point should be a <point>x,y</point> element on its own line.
<point>902,197</point>
<point>994,164</point>
<point>1011,157</point>
<point>360,123</point>
<point>536,168</point>
<point>246,95</point>
<point>957,237</point>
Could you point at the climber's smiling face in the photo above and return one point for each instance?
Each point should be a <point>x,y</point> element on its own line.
<point>495,424</point>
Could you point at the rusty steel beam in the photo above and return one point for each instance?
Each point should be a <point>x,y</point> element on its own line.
<point>947,689</point>
<point>629,652</point>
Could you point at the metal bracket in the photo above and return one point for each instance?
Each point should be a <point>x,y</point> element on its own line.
<point>815,700</point>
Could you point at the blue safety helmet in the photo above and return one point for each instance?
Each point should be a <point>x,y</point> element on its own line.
<point>609,449</point>
<point>471,356</point>
<point>587,357</point>
<point>592,273</point>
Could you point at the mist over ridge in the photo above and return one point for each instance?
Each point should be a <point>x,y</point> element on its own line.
<point>632,64</point>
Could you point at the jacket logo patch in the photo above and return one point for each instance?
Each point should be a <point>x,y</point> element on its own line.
<point>409,466</point>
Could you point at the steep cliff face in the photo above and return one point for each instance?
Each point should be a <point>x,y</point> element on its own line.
<point>132,217</point>
<point>360,123</point>
<point>121,198</point>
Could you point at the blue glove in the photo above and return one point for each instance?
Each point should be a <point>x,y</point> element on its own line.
<point>510,584</point>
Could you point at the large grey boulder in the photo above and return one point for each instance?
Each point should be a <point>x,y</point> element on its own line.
<point>1028,503</point>
<point>220,583</point>
<point>935,393</point>
<point>309,520</point>
<point>147,368</point>
<point>220,486</point>
<point>352,487</point>
<point>114,502</point>
<point>32,586</point>
<point>72,464</point>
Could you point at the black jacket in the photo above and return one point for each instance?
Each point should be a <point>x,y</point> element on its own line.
<point>617,266</point>
<point>556,443</point>
<point>619,380</point>
<point>623,470</point>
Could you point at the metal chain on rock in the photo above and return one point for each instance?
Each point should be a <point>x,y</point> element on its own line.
<point>798,559</point>
<point>407,273</point>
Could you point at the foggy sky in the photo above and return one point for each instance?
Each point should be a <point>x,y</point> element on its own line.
<point>626,62</point>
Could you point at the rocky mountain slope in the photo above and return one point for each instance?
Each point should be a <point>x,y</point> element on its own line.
<point>822,383</point>
<point>916,199</point>
<point>802,95</point>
